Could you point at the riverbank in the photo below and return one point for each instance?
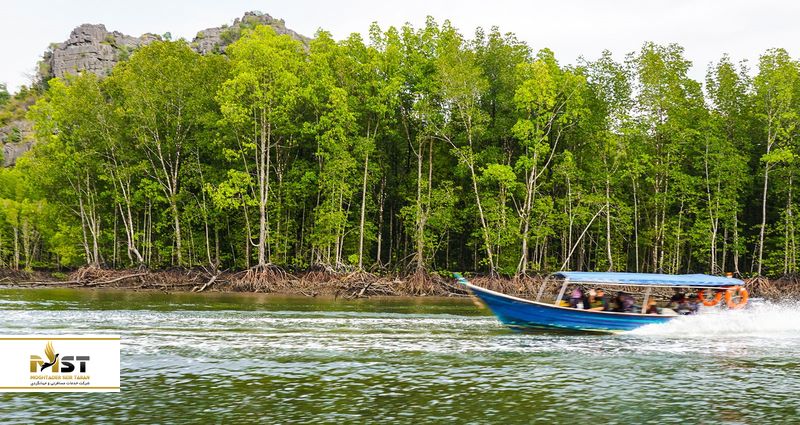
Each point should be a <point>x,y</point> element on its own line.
<point>324,283</point>
<point>308,283</point>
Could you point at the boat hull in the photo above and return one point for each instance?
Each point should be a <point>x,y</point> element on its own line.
<point>518,313</point>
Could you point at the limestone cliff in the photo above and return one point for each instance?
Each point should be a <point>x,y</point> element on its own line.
<point>214,40</point>
<point>92,48</point>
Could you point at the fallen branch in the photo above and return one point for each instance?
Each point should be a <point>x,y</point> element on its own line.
<point>207,284</point>
<point>364,289</point>
<point>106,282</point>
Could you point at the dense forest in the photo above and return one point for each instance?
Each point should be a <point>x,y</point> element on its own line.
<point>416,150</point>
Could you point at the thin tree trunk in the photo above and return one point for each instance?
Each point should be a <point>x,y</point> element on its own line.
<point>608,225</point>
<point>635,225</point>
<point>363,209</point>
<point>16,247</point>
<point>177,222</point>
<point>484,226</point>
<point>787,225</point>
<point>763,219</point>
<point>419,257</point>
<point>580,238</point>
<point>263,191</point>
<point>382,200</point>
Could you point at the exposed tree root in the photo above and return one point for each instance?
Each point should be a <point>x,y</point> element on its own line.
<point>420,283</point>
<point>787,286</point>
<point>322,280</point>
<point>761,287</point>
<point>264,278</point>
<point>89,274</point>
<point>362,284</point>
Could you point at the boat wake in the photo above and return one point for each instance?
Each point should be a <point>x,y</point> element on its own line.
<point>766,320</point>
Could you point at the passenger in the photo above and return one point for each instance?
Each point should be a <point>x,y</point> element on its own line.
<point>652,307</point>
<point>694,304</point>
<point>618,302</point>
<point>688,306</point>
<point>677,299</point>
<point>598,301</point>
<point>586,296</point>
<point>628,303</point>
<point>624,303</point>
<point>576,298</point>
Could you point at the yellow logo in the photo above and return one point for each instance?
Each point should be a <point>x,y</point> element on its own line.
<point>63,364</point>
<point>39,365</point>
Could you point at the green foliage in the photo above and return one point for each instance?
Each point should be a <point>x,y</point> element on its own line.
<point>4,95</point>
<point>416,149</point>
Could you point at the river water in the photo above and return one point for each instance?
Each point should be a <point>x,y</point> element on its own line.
<point>236,358</point>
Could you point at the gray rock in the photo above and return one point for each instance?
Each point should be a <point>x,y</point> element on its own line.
<point>91,48</point>
<point>216,39</point>
<point>16,138</point>
<point>12,151</point>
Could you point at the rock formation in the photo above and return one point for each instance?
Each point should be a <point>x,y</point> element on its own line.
<point>91,48</point>
<point>214,40</point>
<point>16,138</point>
<point>12,151</point>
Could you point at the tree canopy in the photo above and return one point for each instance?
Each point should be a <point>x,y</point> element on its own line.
<point>415,150</point>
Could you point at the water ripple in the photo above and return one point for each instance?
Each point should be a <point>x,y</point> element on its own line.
<point>289,366</point>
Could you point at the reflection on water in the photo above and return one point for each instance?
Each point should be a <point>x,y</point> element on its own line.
<point>235,359</point>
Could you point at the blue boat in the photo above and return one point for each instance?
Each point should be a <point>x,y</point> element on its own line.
<point>522,314</point>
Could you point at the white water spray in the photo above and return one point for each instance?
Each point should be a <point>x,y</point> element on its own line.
<point>767,320</point>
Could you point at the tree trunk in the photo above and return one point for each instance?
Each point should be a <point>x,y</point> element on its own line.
<point>484,226</point>
<point>736,243</point>
<point>263,191</point>
<point>173,203</point>
<point>419,254</point>
<point>363,209</point>
<point>763,219</point>
<point>608,226</point>
<point>382,200</point>
<point>530,194</point>
<point>635,225</point>
<point>16,247</point>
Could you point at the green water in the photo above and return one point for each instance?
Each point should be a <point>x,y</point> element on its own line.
<point>231,358</point>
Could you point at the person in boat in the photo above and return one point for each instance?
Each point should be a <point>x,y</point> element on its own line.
<point>652,308</point>
<point>688,306</point>
<point>625,303</point>
<point>589,298</point>
<point>576,298</point>
<point>694,304</point>
<point>677,299</point>
<point>682,307</point>
<point>598,300</point>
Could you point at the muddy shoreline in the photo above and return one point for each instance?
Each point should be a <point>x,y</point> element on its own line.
<point>308,283</point>
<point>322,283</point>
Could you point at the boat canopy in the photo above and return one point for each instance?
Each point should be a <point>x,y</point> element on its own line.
<point>650,279</point>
